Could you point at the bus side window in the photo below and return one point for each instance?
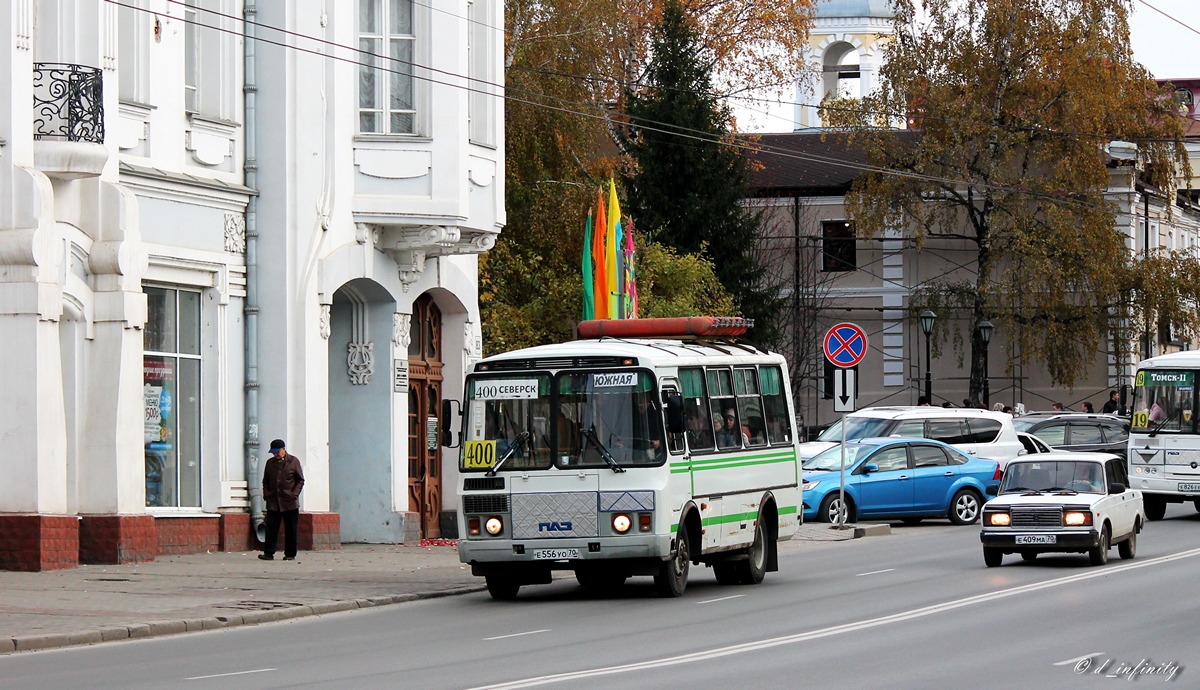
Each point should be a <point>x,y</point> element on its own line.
<point>775,411</point>
<point>723,406</point>
<point>695,410</point>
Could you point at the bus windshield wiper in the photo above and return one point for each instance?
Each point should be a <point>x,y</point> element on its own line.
<point>1163,423</point>
<point>517,443</point>
<point>590,435</point>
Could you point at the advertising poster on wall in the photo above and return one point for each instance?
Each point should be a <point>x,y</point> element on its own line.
<point>158,386</point>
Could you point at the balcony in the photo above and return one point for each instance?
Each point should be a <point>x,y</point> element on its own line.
<point>68,120</point>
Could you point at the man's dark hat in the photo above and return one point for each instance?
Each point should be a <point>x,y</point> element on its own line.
<point>277,444</point>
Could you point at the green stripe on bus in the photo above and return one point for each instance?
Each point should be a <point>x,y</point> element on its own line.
<point>721,519</point>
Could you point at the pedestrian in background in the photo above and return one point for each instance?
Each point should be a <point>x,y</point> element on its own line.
<point>283,480</point>
<point>1087,407</point>
<point>1113,403</point>
<point>1058,407</point>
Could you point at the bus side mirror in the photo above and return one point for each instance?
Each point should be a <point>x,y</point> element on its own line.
<point>675,423</point>
<point>448,413</point>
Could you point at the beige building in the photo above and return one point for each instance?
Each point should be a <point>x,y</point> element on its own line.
<point>831,275</point>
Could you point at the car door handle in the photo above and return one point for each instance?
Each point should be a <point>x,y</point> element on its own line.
<point>904,477</point>
<point>949,474</point>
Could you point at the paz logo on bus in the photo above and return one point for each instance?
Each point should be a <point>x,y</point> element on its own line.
<point>845,345</point>
<point>564,526</point>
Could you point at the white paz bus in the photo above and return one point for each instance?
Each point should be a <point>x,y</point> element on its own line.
<point>645,447</point>
<point>1164,440</point>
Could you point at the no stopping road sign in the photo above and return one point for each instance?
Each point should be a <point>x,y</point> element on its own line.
<point>845,345</point>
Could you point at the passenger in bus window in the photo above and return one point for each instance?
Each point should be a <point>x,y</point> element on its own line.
<point>699,433</point>
<point>731,435</point>
<point>1156,413</point>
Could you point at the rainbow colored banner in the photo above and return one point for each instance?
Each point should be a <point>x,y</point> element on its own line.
<point>609,260</point>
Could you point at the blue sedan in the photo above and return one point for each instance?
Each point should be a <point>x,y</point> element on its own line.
<point>903,478</point>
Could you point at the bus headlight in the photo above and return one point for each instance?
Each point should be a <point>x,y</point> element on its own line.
<point>494,526</point>
<point>1076,518</point>
<point>621,523</point>
<point>998,519</point>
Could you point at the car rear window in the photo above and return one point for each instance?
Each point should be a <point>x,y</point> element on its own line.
<point>1115,432</point>
<point>1053,434</point>
<point>983,430</point>
<point>1086,433</point>
<point>951,431</point>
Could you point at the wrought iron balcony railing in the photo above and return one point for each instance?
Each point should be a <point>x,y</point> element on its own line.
<point>68,103</point>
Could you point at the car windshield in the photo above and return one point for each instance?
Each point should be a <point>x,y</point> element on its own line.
<point>831,459</point>
<point>1062,475</point>
<point>1024,424</point>
<point>856,428</point>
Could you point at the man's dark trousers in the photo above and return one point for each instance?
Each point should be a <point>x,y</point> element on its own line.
<point>291,522</point>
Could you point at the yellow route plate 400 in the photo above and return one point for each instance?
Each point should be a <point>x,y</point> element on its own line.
<point>479,454</point>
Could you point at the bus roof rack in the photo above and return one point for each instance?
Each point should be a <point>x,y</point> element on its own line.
<point>679,327</point>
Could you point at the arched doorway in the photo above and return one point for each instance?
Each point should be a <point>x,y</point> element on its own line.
<point>424,401</point>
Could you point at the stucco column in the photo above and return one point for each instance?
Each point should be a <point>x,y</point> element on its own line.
<point>111,463</point>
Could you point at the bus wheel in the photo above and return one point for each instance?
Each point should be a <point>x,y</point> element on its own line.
<point>1197,504</point>
<point>1156,508</point>
<point>752,570</point>
<point>672,576</point>
<point>502,588</point>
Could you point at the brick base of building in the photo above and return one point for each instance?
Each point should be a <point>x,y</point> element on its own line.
<point>52,542</point>
<point>191,534</point>
<point>39,542</point>
<point>116,539</point>
<point>236,534</point>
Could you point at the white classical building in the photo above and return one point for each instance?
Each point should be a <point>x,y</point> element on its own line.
<point>228,221</point>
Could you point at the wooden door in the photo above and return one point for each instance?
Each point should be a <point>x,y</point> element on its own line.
<point>424,403</point>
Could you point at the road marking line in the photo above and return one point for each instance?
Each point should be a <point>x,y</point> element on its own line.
<point>235,673</point>
<point>875,572</point>
<point>1076,660</point>
<point>835,630</point>
<point>710,601</point>
<point>505,637</point>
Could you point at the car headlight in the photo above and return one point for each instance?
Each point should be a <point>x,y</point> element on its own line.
<point>998,519</point>
<point>1076,518</point>
<point>809,486</point>
<point>621,523</point>
<point>494,526</point>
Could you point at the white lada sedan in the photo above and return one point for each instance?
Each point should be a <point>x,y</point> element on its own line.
<point>1067,502</point>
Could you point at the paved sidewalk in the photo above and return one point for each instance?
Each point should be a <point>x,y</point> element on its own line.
<point>174,594</point>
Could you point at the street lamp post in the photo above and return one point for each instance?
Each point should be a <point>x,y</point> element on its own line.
<point>927,318</point>
<point>985,336</point>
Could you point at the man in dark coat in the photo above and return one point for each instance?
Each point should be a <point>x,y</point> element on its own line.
<point>282,482</point>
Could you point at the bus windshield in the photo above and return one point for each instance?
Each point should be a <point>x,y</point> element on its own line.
<point>613,414</point>
<point>506,423</point>
<point>1164,401</point>
<point>596,419</point>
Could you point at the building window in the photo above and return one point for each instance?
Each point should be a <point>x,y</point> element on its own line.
<point>171,393</point>
<point>208,59</point>
<point>481,45</point>
<point>838,246</point>
<point>387,41</point>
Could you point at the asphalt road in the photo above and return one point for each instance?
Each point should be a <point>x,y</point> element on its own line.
<point>916,609</point>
